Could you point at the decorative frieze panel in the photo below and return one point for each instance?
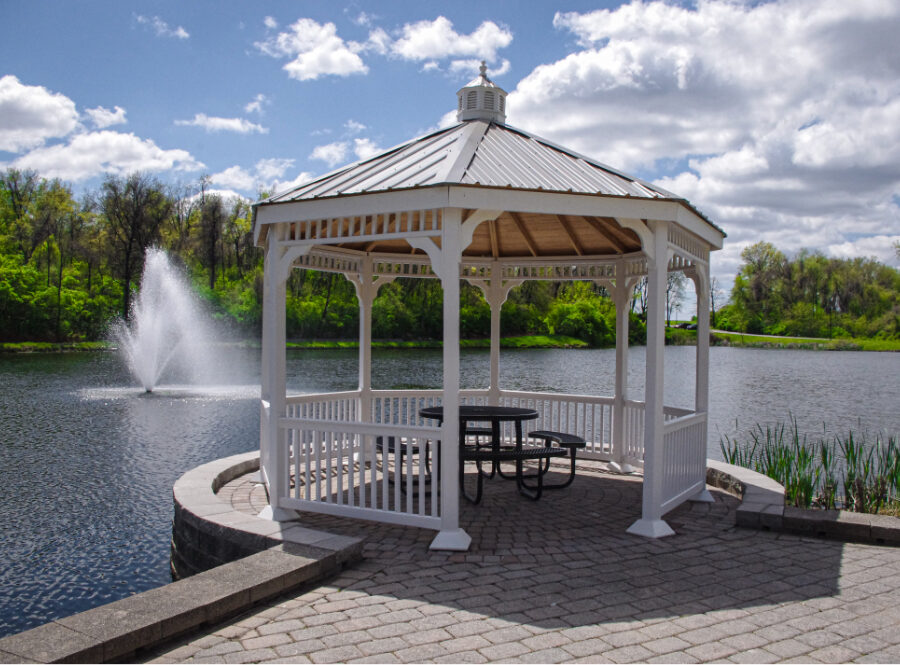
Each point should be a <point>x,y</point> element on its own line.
<point>687,244</point>
<point>606,270</point>
<point>368,227</point>
<point>328,263</point>
<point>405,268</point>
<point>635,267</point>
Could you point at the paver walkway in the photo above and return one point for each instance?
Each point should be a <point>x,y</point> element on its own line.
<point>560,581</point>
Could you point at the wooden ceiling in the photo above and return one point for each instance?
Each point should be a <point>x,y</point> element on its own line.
<point>527,235</point>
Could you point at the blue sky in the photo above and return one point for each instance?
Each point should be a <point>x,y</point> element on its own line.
<point>780,120</point>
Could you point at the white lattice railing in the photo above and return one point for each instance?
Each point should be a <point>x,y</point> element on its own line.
<point>684,458</point>
<point>362,470</point>
<point>381,469</point>
<point>586,416</point>
<point>342,406</point>
<point>402,406</point>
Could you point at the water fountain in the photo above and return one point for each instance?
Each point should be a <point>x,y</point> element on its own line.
<point>167,333</point>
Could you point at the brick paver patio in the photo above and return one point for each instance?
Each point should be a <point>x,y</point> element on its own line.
<point>560,581</point>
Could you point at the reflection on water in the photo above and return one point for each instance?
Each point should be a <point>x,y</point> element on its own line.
<point>88,460</point>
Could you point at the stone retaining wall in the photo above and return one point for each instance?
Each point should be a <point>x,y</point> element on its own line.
<point>208,532</point>
<point>762,507</point>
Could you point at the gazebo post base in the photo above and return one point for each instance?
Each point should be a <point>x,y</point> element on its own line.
<point>651,528</point>
<point>278,514</point>
<point>703,496</point>
<point>621,467</point>
<point>455,541</point>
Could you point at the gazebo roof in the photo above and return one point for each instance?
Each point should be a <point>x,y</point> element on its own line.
<point>483,163</point>
<point>478,153</point>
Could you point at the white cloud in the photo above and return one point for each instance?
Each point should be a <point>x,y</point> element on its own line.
<point>95,153</point>
<point>286,185</point>
<point>214,124</point>
<point>315,50</point>
<point>379,41</point>
<point>354,127</point>
<point>364,19</point>
<point>30,114</point>
<point>161,28</point>
<point>270,23</point>
<point>103,117</point>
<point>256,106</point>
<point>447,120</point>
<point>234,176</point>
<point>265,175</point>
<point>880,246</point>
<point>365,148</point>
<point>780,120</point>
<point>427,40</point>
<point>331,153</point>
<point>273,168</point>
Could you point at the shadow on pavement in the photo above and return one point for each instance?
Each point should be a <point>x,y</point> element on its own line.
<point>566,561</point>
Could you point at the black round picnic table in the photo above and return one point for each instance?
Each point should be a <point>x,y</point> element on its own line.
<point>494,415</point>
<point>469,413</point>
<point>483,413</point>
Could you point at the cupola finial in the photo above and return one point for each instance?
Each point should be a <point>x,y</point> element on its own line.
<point>481,99</point>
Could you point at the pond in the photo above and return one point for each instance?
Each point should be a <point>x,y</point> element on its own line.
<point>88,460</point>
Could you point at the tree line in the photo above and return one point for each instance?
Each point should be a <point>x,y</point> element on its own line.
<point>811,295</point>
<point>69,267</point>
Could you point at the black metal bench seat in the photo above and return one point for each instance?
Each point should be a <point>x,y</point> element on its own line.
<point>572,442</point>
<point>479,454</point>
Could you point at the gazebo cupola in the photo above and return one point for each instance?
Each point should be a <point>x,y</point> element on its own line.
<point>481,99</point>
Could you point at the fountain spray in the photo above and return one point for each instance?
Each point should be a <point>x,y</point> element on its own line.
<point>166,331</point>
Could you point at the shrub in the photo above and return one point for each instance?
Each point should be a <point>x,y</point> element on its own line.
<point>581,320</point>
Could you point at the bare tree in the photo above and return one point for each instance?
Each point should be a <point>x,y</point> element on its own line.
<point>675,282</point>
<point>212,221</point>
<point>715,296</point>
<point>134,209</point>
<point>639,296</point>
<point>184,214</point>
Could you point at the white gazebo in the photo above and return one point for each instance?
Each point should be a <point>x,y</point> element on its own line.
<point>496,206</point>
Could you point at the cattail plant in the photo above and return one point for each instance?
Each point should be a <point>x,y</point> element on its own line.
<point>812,473</point>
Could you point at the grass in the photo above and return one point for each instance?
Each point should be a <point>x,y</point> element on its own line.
<point>681,337</point>
<point>524,342</point>
<point>848,471</point>
<point>52,347</point>
<point>853,344</point>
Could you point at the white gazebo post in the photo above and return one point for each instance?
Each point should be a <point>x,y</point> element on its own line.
<point>621,296</point>
<point>451,536</point>
<point>651,523</point>
<point>273,443</point>
<point>495,294</point>
<point>366,291</point>
<point>700,276</point>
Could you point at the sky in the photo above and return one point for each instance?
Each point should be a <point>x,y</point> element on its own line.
<point>778,120</point>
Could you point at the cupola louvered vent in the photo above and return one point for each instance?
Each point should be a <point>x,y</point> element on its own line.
<point>481,99</point>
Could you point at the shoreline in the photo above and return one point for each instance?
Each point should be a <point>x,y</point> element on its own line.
<point>674,337</point>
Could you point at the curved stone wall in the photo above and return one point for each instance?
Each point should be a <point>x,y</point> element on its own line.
<point>208,532</point>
